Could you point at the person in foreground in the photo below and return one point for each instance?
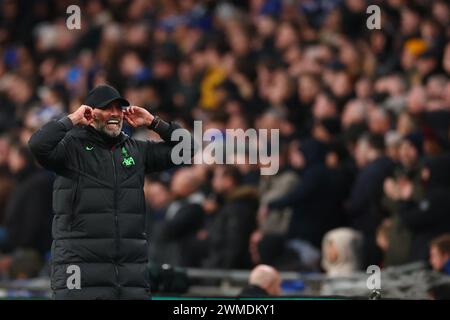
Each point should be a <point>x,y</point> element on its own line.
<point>264,281</point>
<point>99,248</point>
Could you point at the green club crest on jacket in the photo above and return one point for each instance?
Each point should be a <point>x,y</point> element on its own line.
<point>128,160</point>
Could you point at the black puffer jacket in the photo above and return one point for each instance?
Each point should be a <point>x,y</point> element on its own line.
<point>99,222</point>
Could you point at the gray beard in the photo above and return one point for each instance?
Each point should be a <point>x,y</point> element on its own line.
<point>103,129</point>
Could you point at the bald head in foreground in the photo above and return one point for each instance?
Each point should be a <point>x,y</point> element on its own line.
<point>264,280</point>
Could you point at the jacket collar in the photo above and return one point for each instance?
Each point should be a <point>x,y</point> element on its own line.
<point>96,137</point>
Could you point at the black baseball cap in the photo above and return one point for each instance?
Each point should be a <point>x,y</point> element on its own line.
<point>102,95</point>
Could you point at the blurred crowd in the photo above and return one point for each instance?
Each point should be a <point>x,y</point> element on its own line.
<point>363,116</point>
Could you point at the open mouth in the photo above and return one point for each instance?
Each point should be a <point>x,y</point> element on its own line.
<point>113,122</point>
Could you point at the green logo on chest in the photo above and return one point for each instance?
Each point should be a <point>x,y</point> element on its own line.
<point>128,160</point>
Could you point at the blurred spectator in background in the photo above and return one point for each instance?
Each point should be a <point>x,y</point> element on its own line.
<point>440,253</point>
<point>382,239</point>
<point>175,235</point>
<point>234,222</point>
<point>22,264</point>
<point>342,252</point>
<point>379,121</point>
<point>28,214</point>
<point>428,216</point>
<point>157,198</point>
<point>6,180</point>
<point>398,236</point>
<point>363,204</point>
<point>270,188</point>
<point>264,281</point>
<point>312,216</point>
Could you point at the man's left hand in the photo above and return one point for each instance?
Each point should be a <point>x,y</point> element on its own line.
<point>137,116</point>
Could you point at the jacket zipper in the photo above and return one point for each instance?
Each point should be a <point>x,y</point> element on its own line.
<point>116,220</point>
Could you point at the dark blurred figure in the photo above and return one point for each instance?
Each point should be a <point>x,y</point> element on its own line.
<point>428,216</point>
<point>235,221</point>
<point>6,179</point>
<point>363,205</point>
<point>353,17</point>
<point>440,292</point>
<point>28,214</point>
<point>272,187</point>
<point>398,235</point>
<point>316,199</point>
<point>157,197</point>
<point>175,235</point>
<point>21,264</point>
<point>316,203</point>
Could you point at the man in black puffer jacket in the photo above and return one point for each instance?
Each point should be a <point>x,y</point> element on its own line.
<point>100,248</point>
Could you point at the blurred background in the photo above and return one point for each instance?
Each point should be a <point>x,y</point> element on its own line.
<point>363,116</point>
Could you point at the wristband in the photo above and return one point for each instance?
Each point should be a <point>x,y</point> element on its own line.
<point>154,123</point>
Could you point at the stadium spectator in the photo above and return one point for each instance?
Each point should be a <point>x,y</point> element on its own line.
<point>398,243</point>
<point>342,252</point>
<point>264,281</point>
<point>270,188</point>
<point>428,216</point>
<point>157,198</point>
<point>6,180</point>
<point>234,222</point>
<point>440,253</point>
<point>176,234</point>
<point>364,200</point>
<point>312,216</point>
<point>25,264</point>
<point>28,213</point>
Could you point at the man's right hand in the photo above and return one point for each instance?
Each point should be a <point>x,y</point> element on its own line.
<point>83,115</point>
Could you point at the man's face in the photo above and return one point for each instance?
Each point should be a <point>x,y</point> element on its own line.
<point>181,183</point>
<point>156,194</point>
<point>408,154</point>
<point>437,259</point>
<point>109,120</point>
<point>221,183</point>
<point>16,162</point>
<point>217,180</point>
<point>362,147</point>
